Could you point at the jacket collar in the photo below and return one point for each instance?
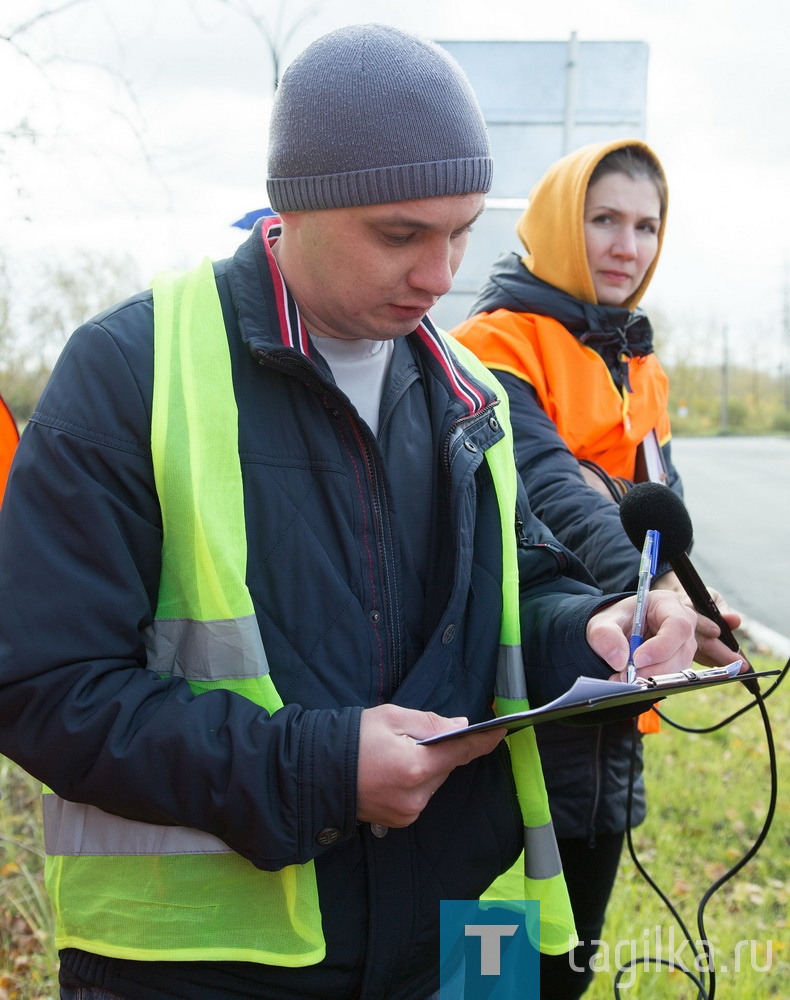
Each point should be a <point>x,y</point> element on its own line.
<point>270,321</point>
<point>617,334</point>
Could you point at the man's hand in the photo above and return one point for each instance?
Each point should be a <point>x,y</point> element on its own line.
<point>396,778</point>
<point>670,640</point>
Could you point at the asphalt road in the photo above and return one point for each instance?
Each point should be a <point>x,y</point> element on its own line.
<point>737,492</point>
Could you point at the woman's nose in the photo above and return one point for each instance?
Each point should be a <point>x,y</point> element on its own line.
<point>625,244</point>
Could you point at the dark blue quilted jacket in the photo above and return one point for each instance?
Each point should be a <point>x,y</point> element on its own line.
<point>370,585</point>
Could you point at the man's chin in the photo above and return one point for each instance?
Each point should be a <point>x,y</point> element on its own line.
<point>383,327</point>
<point>393,330</point>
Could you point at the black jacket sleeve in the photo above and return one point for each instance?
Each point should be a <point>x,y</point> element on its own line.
<point>80,543</point>
<point>584,521</point>
<point>558,598</point>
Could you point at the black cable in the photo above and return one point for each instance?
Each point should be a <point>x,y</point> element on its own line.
<point>701,995</point>
<point>703,992</point>
<point>754,702</point>
<point>769,738</point>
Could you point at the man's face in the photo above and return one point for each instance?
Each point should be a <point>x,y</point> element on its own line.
<point>373,272</point>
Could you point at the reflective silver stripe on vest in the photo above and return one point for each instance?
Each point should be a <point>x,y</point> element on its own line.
<point>227,649</point>
<point>73,829</point>
<point>541,854</point>
<point>511,680</point>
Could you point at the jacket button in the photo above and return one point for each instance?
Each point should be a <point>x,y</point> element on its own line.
<point>378,830</point>
<point>470,446</point>
<point>375,616</point>
<point>328,836</point>
<point>493,423</point>
<point>448,635</point>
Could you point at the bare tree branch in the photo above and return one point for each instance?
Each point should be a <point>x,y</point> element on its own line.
<point>276,37</point>
<point>43,65</point>
<point>20,29</point>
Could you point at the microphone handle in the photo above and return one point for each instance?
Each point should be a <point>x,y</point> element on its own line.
<point>691,582</point>
<point>700,597</point>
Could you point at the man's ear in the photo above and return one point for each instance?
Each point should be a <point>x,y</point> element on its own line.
<point>292,219</point>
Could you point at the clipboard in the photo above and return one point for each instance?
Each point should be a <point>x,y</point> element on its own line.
<point>591,694</point>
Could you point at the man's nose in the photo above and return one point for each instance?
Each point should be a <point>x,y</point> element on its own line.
<point>433,272</point>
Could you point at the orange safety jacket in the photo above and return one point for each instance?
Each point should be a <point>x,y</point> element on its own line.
<point>9,438</point>
<point>597,420</point>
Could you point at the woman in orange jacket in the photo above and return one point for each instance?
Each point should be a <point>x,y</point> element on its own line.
<point>9,437</point>
<point>561,329</point>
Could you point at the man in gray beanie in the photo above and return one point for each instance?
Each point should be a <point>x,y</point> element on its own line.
<point>370,115</point>
<point>368,118</point>
<point>275,514</point>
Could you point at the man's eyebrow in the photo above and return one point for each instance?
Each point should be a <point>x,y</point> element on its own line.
<point>416,222</point>
<point>475,217</point>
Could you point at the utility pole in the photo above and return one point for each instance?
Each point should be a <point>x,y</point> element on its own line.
<point>571,89</point>
<point>725,381</point>
<point>784,370</point>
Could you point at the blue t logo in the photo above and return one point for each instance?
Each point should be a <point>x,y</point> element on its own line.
<point>489,949</point>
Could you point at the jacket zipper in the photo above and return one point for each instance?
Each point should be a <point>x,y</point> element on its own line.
<point>524,542</point>
<point>458,425</point>
<point>386,554</point>
<point>303,369</point>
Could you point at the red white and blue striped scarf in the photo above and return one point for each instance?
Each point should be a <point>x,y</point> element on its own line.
<point>294,333</point>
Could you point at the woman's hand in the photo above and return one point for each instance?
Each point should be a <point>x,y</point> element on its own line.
<point>711,651</point>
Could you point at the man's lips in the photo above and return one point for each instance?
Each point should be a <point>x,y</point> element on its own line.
<point>411,311</point>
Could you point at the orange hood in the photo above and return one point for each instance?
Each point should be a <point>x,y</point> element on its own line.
<point>552,226</point>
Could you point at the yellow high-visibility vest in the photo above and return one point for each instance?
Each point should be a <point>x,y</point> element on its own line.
<point>151,893</point>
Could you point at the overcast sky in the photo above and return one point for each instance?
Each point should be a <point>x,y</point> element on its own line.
<point>160,155</point>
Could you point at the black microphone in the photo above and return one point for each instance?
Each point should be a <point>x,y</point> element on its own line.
<point>655,506</point>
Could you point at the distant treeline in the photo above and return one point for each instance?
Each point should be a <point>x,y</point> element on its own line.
<point>40,309</point>
<point>37,316</point>
<point>712,399</point>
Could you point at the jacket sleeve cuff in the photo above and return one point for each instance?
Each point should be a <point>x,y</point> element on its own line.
<point>328,776</point>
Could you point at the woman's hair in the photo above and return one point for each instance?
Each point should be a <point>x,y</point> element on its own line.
<point>635,162</point>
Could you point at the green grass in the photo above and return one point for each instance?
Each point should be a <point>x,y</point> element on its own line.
<point>27,952</point>
<point>707,798</point>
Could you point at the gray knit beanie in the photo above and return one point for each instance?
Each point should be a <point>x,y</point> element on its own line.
<point>368,115</point>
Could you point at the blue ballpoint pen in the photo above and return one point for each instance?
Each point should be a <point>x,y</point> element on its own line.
<point>647,570</point>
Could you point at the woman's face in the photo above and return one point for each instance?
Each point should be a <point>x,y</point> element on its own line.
<point>622,218</point>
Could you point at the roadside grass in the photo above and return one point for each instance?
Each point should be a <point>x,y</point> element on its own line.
<point>707,801</point>
<point>707,797</point>
<point>27,952</point>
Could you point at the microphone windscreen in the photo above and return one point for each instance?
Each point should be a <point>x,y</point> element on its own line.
<point>653,506</point>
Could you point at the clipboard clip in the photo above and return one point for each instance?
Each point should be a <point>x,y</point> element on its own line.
<point>691,676</point>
